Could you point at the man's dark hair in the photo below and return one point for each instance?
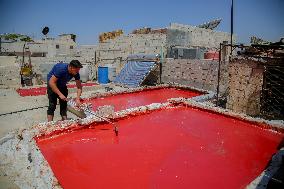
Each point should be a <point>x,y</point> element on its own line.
<point>76,64</point>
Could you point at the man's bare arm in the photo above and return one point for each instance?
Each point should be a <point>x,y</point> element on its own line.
<point>79,90</point>
<point>52,83</point>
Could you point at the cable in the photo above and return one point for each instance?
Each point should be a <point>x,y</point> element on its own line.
<point>23,110</point>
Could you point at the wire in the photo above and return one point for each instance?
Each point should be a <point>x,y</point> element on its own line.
<point>19,111</point>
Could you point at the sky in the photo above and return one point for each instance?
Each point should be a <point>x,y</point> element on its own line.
<point>88,18</point>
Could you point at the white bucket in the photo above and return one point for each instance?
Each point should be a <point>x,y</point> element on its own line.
<point>85,73</point>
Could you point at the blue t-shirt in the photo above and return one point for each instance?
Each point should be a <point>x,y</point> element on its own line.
<point>60,70</point>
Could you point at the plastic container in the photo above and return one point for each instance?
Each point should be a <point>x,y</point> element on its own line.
<point>103,75</point>
<point>212,55</point>
<point>85,73</point>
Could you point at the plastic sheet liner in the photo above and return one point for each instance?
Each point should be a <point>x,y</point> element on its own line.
<point>134,73</point>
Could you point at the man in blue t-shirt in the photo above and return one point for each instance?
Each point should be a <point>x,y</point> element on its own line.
<point>57,79</point>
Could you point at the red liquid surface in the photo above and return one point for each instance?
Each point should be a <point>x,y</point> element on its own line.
<point>146,97</point>
<point>170,148</point>
<point>38,91</point>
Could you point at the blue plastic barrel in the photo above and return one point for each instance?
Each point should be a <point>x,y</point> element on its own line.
<point>103,75</point>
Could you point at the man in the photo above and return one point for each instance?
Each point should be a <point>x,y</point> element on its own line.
<point>57,79</point>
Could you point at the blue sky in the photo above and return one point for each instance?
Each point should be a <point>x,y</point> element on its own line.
<point>87,19</point>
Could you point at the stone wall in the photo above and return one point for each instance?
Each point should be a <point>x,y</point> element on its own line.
<point>202,74</point>
<point>245,86</point>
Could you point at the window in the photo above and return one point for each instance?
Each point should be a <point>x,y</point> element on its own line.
<point>57,46</point>
<point>71,47</point>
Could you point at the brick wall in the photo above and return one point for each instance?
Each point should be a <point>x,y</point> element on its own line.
<point>245,86</point>
<point>197,73</point>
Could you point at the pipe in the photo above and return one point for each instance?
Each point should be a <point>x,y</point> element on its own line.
<point>160,64</point>
<point>218,77</point>
<point>232,24</point>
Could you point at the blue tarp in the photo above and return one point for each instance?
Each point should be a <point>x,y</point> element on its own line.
<point>134,73</point>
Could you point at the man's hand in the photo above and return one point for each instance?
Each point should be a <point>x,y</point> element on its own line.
<point>79,92</point>
<point>62,97</point>
<point>78,101</point>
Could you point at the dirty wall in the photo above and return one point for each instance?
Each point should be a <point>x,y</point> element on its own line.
<point>191,36</point>
<point>202,74</point>
<point>245,86</point>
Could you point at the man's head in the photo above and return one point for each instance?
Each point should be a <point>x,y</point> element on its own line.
<point>74,67</point>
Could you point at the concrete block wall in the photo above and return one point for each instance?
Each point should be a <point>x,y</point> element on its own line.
<point>191,36</point>
<point>158,43</point>
<point>192,72</point>
<point>124,45</point>
<point>112,49</point>
<point>86,51</point>
<point>9,72</point>
<point>12,46</point>
<point>47,46</point>
<point>245,86</point>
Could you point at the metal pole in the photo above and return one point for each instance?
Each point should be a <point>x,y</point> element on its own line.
<point>161,61</point>
<point>218,77</point>
<point>24,54</point>
<point>232,24</point>
<point>22,65</point>
<point>160,65</point>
